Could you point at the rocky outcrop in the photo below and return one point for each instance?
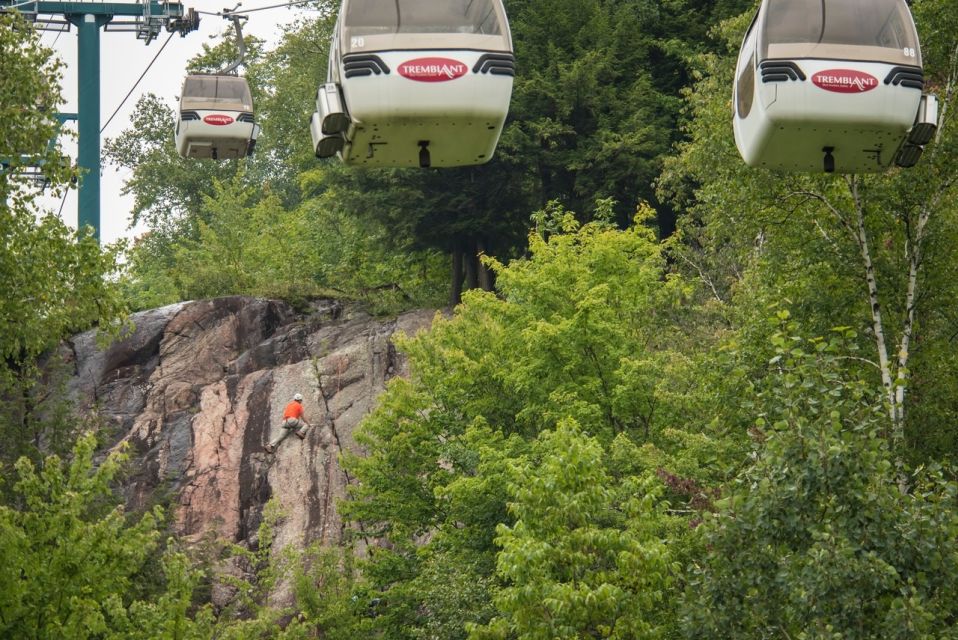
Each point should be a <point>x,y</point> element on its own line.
<point>197,389</point>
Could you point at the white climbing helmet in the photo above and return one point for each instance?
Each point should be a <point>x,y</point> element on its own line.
<point>298,397</point>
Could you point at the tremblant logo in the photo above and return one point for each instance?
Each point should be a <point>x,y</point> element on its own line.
<point>218,119</point>
<point>432,69</point>
<point>844,81</point>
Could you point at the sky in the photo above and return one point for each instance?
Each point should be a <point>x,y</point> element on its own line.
<point>122,59</point>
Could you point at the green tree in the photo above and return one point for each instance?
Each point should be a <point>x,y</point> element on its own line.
<point>285,593</point>
<point>53,281</point>
<point>70,554</point>
<point>584,557</point>
<point>246,243</point>
<point>582,330</point>
<point>871,250</point>
<point>815,539</point>
<point>289,76</point>
<point>170,612</point>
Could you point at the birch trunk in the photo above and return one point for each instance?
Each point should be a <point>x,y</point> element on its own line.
<point>914,249</point>
<point>884,362</point>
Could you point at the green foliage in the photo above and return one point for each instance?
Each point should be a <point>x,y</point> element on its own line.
<point>816,539</point>
<point>579,334</point>
<point>53,281</point>
<point>172,615</point>
<point>573,334</point>
<point>29,94</point>
<point>319,583</point>
<point>247,243</point>
<point>325,588</point>
<point>51,284</point>
<point>288,76</point>
<point>585,108</point>
<point>69,555</point>
<point>583,558</point>
<point>75,565</point>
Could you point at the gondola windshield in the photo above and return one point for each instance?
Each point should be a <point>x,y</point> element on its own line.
<point>874,30</point>
<point>376,17</point>
<point>214,92</point>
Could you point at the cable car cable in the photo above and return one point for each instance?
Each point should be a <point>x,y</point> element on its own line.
<point>133,88</point>
<point>57,38</point>
<point>272,6</point>
<point>276,6</point>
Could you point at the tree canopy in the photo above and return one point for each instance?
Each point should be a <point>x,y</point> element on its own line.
<point>53,281</point>
<point>684,398</point>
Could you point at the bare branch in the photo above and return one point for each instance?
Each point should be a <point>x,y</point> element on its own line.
<point>827,237</point>
<point>702,275</point>
<point>858,359</point>
<point>835,211</point>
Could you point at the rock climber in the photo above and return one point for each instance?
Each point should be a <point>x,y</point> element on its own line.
<point>294,421</point>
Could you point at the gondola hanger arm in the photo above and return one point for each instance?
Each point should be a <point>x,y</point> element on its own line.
<point>230,14</point>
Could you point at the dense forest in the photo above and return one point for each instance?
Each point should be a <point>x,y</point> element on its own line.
<point>677,397</point>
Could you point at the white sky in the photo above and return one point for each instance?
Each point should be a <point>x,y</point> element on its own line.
<point>122,59</point>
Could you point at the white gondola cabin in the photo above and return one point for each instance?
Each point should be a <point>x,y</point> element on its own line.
<point>832,85</point>
<point>216,118</point>
<point>415,83</point>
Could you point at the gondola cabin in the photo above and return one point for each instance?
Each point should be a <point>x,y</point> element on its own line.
<point>216,118</point>
<point>832,85</point>
<point>415,83</point>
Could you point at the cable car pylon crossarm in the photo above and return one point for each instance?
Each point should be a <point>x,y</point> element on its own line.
<point>145,18</point>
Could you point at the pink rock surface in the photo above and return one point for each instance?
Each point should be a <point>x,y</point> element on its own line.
<point>199,388</point>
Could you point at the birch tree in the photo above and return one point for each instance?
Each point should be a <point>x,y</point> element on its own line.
<point>852,249</point>
<point>815,539</point>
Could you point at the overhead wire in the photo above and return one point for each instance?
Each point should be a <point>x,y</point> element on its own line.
<point>135,84</point>
<point>276,6</point>
<point>149,66</point>
<point>244,11</point>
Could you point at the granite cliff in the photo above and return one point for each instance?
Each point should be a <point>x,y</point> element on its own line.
<point>198,388</point>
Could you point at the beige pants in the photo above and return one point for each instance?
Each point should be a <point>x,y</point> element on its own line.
<point>290,425</point>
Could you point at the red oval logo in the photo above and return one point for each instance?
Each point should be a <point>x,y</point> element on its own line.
<point>218,119</point>
<point>432,69</point>
<point>844,81</point>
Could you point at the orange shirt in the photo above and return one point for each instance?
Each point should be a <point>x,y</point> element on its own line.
<point>293,410</point>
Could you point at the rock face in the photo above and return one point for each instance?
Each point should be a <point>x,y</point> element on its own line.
<point>199,388</point>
